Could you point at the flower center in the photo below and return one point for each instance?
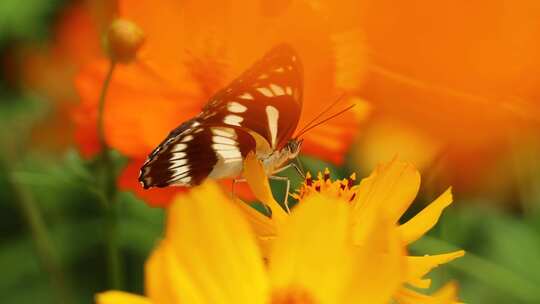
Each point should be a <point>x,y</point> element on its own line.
<point>292,295</point>
<point>342,188</point>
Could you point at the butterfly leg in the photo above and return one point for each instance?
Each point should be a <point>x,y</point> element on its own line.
<point>299,169</point>
<point>280,170</point>
<point>286,179</point>
<point>295,166</point>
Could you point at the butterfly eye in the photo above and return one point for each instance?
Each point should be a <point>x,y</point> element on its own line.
<point>298,145</point>
<point>294,146</point>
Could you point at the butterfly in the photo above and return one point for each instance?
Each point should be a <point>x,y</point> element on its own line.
<point>257,112</point>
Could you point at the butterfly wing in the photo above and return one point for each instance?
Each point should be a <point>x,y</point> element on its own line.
<point>257,111</point>
<point>193,151</point>
<point>265,100</point>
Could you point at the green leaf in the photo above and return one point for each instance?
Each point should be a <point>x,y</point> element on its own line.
<point>501,262</point>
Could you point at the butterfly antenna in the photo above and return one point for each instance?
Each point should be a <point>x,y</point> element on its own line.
<point>322,113</point>
<point>325,120</point>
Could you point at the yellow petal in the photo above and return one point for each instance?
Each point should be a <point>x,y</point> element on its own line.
<point>393,186</point>
<point>418,266</point>
<point>408,296</point>
<point>381,264</point>
<point>420,283</point>
<point>261,224</point>
<point>446,295</point>
<point>120,297</point>
<point>265,229</point>
<point>312,253</point>
<point>156,280</point>
<point>166,282</point>
<point>258,182</point>
<point>417,226</point>
<point>213,245</point>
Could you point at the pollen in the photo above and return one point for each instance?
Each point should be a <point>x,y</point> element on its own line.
<point>309,180</point>
<point>351,180</point>
<point>326,174</point>
<point>343,188</point>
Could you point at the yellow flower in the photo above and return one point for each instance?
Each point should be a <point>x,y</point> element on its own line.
<point>387,193</point>
<point>209,255</point>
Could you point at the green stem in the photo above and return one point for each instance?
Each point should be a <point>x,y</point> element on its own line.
<point>101,108</point>
<point>107,178</point>
<point>114,259</point>
<point>38,230</point>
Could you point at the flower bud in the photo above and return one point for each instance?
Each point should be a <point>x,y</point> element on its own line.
<point>124,38</point>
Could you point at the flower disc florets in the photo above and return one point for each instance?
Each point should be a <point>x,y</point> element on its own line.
<point>342,188</point>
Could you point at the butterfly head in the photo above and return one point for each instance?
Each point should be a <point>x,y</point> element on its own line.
<point>293,147</point>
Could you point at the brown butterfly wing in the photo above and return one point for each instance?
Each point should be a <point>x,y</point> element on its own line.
<point>194,151</point>
<point>265,101</point>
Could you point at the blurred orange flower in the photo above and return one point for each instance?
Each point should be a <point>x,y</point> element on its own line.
<point>50,69</point>
<point>195,48</point>
<point>463,72</point>
<point>75,42</point>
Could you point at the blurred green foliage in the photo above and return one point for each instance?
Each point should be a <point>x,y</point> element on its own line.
<point>53,238</point>
<point>74,221</point>
<point>26,20</point>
